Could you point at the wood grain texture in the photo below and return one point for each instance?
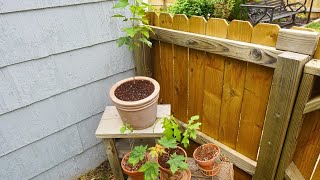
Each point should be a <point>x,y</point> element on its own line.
<point>308,146</point>
<point>265,34</point>
<point>295,125</point>
<point>284,88</point>
<point>239,174</point>
<point>316,174</point>
<point>293,173</point>
<point>113,159</point>
<point>181,70</point>
<point>166,62</point>
<point>312,105</point>
<point>258,54</point>
<point>253,111</point>
<point>313,67</point>
<point>197,60</point>
<point>235,157</point>
<point>297,41</point>
<point>214,72</point>
<point>233,86</point>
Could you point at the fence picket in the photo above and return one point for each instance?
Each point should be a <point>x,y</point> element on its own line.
<point>212,96</point>
<point>166,62</point>
<point>234,80</point>
<point>257,89</point>
<point>197,60</point>
<point>181,68</point>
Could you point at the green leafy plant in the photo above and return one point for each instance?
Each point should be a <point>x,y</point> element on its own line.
<point>203,8</point>
<point>190,132</point>
<point>138,21</point>
<point>137,154</point>
<point>177,162</point>
<point>126,128</point>
<point>172,129</point>
<point>150,170</point>
<point>223,8</point>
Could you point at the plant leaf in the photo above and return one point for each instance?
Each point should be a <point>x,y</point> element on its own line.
<point>150,169</point>
<point>123,40</point>
<point>145,41</point>
<point>137,154</point>
<point>177,162</point>
<point>168,143</point>
<point>118,16</point>
<point>121,4</point>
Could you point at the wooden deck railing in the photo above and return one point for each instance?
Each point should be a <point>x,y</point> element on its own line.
<point>241,80</point>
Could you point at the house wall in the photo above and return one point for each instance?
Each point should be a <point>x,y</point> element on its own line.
<point>58,60</point>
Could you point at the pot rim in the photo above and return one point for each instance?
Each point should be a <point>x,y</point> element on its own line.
<point>139,102</point>
<point>123,167</point>
<point>208,144</point>
<point>168,170</point>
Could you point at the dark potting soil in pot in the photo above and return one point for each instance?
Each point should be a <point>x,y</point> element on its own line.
<point>164,158</point>
<point>205,153</point>
<point>134,90</point>
<point>136,167</point>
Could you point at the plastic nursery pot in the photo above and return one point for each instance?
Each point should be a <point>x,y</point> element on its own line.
<point>166,174</point>
<point>139,114</point>
<point>135,175</point>
<point>208,167</point>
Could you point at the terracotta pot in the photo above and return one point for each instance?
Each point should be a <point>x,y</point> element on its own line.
<point>209,167</point>
<point>166,174</point>
<point>135,175</point>
<point>139,114</point>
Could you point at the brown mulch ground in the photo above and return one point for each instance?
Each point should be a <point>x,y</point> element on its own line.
<point>102,172</point>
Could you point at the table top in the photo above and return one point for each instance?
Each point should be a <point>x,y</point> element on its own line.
<point>110,124</point>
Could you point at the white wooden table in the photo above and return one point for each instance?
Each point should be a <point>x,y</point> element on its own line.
<point>109,130</point>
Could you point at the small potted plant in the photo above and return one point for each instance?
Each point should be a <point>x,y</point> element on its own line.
<point>135,98</point>
<point>206,156</point>
<point>172,158</point>
<point>166,155</point>
<point>133,161</point>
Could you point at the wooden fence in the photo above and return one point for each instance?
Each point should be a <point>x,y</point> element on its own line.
<point>241,80</point>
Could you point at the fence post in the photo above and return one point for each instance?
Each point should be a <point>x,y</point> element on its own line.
<point>282,97</point>
<point>295,125</point>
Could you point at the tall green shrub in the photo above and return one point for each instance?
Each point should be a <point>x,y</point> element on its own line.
<point>203,8</point>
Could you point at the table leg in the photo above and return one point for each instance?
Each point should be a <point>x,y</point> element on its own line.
<point>113,159</point>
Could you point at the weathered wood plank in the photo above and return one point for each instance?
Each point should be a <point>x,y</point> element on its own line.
<point>312,105</point>
<point>284,88</point>
<point>113,159</point>
<point>197,60</point>
<point>110,124</point>
<point>235,157</point>
<point>293,173</point>
<point>258,54</point>
<point>313,67</point>
<point>295,125</point>
<point>181,70</point>
<point>212,96</point>
<point>297,41</point>
<point>308,146</point>
<point>166,62</point>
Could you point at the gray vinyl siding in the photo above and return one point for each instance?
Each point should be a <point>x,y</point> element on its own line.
<point>58,60</point>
